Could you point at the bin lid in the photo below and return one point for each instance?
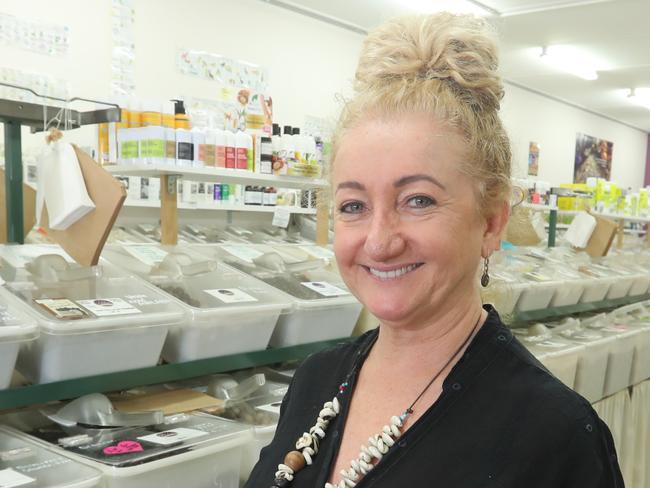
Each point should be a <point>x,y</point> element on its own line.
<point>205,285</point>
<point>27,463</point>
<point>67,298</point>
<point>16,325</point>
<point>125,447</point>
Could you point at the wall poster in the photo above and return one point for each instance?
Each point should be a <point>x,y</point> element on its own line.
<point>593,157</point>
<point>533,159</point>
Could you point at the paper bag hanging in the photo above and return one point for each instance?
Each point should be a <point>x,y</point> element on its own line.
<point>84,239</point>
<point>61,187</point>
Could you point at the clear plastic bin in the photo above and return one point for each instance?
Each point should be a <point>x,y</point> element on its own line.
<point>16,329</point>
<point>92,320</point>
<point>621,281</point>
<point>189,450</point>
<point>323,308</point>
<point>226,311</point>
<point>31,464</point>
<point>502,292</point>
<point>592,362</point>
<point>559,355</point>
<point>537,290</point>
<point>621,352</point>
<point>569,289</point>
<point>596,284</point>
<point>637,316</point>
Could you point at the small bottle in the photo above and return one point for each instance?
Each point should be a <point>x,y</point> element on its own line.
<point>151,114</point>
<point>276,146</point>
<point>184,148</point>
<point>266,156</point>
<point>265,196</point>
<point>273,196</point>
<point>230,150</point>
<point>210,147</point>
<point>198,139</point>
<point>248,197</point>
<point>181,120</point>
<point>288,151</point>
<point>225,192</point>
<point>217,193</point>
<point>170,146</point>
<point>258,193</point>
<point>220,148</point>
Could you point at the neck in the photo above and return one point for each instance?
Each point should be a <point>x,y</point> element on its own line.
<point>403,346</point>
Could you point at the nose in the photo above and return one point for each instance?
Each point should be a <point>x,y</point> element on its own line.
<point>384,239</point>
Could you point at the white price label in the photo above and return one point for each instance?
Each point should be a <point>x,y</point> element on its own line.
<point>103,307</point>
<point>62,308</point>
<point>245,253</point>
<point>10,478</point>
<point>318,251</point>
<point>149,255</point>
<point>231,295</point>
<point>324,288</point>
<point>281,217</point>
<point>173,436</point>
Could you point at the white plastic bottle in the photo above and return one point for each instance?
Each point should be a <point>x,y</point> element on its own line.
<point>287,151</point>
<point>210,144</point>
<point>198,140</point>
<point>231,159</point>
<point>244,151</point>
<point>184,148</point>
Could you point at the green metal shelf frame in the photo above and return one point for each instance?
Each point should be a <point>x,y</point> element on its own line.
<point>61,390</point>
<point>557,312</point>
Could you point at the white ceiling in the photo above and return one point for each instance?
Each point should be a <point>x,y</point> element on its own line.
<point>613,31</point>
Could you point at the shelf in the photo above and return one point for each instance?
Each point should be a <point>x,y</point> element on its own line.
<point>62,390</point>
<point>547,208</point>
<point>222,207</point>
<point>557,312</point>
<point>221,175</point>
<point>537,206</point>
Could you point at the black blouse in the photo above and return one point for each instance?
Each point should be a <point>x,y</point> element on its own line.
<point>501,421</point>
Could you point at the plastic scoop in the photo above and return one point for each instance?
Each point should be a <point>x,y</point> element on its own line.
<point>226,388</point>
<point>274,262</point>
<point>54,268</point>
<point>97,410</point>
<point>179,264</point>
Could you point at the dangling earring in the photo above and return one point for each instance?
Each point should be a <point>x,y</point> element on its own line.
<point>485,279</point>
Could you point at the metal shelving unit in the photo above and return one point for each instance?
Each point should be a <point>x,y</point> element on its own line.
<point>61,390</point>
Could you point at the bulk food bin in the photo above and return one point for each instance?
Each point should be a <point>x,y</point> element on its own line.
<point>16,329</point>
<point>92,320</point>
<point>537,290</point>
<point>621,352</point>
<point>596,282</point>
<point>569,289</point>
<point>592,362</point>
<point>31,464</point>
<point>210,235</point>
<point>559,355</point>
<point>322,309</point>
<point>186,450</point>
<point>621,282</point>
<point>225,311</point>
<point>502,291</point>
<point>636,315</point>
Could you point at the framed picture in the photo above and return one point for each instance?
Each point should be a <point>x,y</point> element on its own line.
<point>593,157</point>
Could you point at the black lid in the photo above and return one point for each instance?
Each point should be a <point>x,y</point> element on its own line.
<point>296,131</point>
<point>276,129</point>
<point>266,139</point>
<point>179,106</point>
<point>287,129</point>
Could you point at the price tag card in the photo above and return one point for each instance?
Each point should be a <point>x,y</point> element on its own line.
<point>324,288</point>
<point>281,216</point>
<point>231,295</point>
<point>10,478</point>
<point>173,436</point>
<point>63,309</point>
<point>105,307</point>
<point>149,255</point>
<point>245,253</point>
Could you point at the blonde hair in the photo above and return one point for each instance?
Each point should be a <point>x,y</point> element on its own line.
<point>443,65</point>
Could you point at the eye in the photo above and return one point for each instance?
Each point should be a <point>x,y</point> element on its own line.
<point>351,208</point>
<point>420,201</point>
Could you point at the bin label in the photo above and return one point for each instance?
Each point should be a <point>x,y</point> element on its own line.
<point>102,307</point>
<point>62,308</point>
<point>231,295</point>
<point>324,288</point>
<point>173,436</point>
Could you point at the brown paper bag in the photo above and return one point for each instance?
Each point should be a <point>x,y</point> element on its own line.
<point>602,237</point>
<point>85,239</point>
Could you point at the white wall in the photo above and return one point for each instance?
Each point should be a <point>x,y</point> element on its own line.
<point>553,125</point>
<point>308,62</point>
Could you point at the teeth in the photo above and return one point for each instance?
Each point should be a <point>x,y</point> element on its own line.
<point>396,273</point>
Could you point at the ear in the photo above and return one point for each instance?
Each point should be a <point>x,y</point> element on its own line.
<point>495,225</point>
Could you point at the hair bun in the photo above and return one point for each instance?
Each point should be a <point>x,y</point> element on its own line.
<point>458,50</point>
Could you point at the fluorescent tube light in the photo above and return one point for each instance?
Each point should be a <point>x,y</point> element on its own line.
<point>569,60</point>
<point>640,96</point>
<point>453,6</point>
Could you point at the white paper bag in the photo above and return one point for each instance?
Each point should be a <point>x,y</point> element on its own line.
<point>61,187</point>
<point>580,230</point>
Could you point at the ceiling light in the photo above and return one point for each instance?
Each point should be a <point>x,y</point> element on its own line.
<point>453,6</point>
<point>640,96</point>
<point>570,60</point>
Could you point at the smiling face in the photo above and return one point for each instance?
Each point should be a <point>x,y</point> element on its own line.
<point>408,232</point>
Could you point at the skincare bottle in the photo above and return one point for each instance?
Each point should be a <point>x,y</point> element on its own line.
<point>230,150</point>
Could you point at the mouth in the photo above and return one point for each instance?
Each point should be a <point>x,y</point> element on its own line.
<point>393,273</point>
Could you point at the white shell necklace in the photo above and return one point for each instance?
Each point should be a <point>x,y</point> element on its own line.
<point>369,455</point>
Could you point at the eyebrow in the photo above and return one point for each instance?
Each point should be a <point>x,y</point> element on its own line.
<point>406,180</point>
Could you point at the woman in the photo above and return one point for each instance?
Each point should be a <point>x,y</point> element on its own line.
<point>441,394</point>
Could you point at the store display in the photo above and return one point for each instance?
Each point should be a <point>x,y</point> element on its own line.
<point>226,312</point>
<point>92,320</point>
